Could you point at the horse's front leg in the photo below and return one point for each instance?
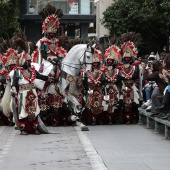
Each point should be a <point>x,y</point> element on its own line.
<point>80,123</point>
<point>77,111</point>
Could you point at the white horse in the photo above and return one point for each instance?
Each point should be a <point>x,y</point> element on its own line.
<point>80,56</point>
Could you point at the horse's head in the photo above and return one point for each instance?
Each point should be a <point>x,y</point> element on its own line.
<point>86,59</point>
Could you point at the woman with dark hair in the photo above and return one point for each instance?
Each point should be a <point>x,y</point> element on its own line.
<point>165,75</point>
<point>159,85</point>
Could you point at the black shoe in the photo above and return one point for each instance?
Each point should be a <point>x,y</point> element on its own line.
<point>163,107</point>
<point>165,117</point>
<point>161,115</point>
<point>148,110</point>
<point>153,114</point>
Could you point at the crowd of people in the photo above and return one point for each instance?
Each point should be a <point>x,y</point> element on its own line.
<point>110,91</point>
<point>156,74</point>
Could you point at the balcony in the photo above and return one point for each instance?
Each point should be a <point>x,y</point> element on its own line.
<point>69,7</point>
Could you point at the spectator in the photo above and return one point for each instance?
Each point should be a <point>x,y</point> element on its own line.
<point>147,90</point>
<point>159,86</point>
<point>165,75</point>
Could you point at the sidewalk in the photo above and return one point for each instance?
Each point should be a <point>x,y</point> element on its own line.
<point>42,152</point>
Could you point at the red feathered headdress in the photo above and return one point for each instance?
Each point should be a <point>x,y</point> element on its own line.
<point>113,52</point>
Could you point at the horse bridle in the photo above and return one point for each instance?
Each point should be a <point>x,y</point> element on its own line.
<point>84,54</point>
<point>84,59</point>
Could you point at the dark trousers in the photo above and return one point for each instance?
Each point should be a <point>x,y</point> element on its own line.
<point>166,99</point>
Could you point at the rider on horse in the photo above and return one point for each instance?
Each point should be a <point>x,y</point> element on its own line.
<point>50,56</point>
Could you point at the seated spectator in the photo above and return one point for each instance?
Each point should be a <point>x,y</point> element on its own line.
<point>152,56</point>
<point>159,86</point>
<point>148,85</point>
<point>162,55</point>
<point>147,90</point>
<point>165,75</point>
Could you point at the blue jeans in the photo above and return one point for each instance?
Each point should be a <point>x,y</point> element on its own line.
<point>155,101</point>
<point>148,93</point>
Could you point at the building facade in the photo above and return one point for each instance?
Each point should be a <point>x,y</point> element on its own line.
<point>78,16</point>
<point>100,7</point>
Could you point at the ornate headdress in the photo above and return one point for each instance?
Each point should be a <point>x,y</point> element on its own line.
<point>97,57</point>
<point>10,57</point>
<point>50,17</point>
<point>113,52</point>
<point>129,52</point>
<point>129,49</point>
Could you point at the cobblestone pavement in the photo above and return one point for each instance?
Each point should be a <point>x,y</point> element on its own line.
<point>62,150</point>
<point>130,147</point>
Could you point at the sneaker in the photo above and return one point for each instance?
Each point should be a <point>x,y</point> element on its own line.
<point>148,103</point>
<point>148,109</point>
<point>144,106</point>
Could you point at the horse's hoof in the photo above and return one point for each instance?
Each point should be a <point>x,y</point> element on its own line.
<point>17,128</point>
<point>84,128</point>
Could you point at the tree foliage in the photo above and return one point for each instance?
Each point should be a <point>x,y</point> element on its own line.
<point>9,14</point>
<point>149,17</point>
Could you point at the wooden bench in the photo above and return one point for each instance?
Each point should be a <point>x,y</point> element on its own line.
<point>159,125</point>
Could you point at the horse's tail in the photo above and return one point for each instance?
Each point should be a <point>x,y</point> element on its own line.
<point>6,99</point>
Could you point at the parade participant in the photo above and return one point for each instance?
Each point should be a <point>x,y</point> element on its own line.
<point>50,55</point>
<point>3,80</point>
<point>94,89</point>
<point>10,60</point>
<point>22,85</point>
<point>112,57</point>
<point>130,75</point>
<point>3,76</point>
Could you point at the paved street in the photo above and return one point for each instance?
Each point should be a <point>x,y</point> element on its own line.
<point>42,152</point>
<point>116,147</point>
<point>130,147</point>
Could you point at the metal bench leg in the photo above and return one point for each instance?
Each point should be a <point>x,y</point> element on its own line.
<point>156,127</point>
<point>166,132</point>
<point>140,120</point>
<point>147,123</point>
